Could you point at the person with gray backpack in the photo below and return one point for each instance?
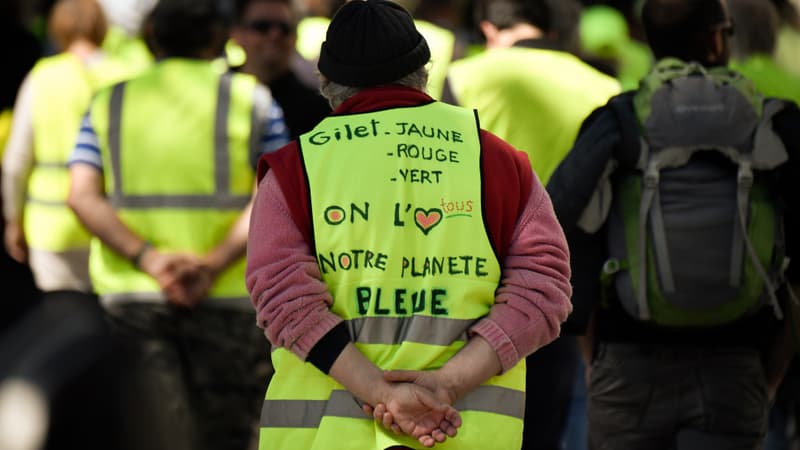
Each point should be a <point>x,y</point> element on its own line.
<point>679,201</point>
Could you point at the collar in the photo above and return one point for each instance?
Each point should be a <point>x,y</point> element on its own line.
<point>540,43</point>
<point>382,97</point>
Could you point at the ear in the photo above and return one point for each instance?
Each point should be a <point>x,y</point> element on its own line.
<point>490,32</point>
<point>718,52</point>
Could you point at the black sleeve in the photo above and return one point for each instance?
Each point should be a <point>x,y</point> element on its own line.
<point>787,125</point>
<point>324,354</point>
<point>575,179</point>
<point>571,187</point>
<point>587,255</point>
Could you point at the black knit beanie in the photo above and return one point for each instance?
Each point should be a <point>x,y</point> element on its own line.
<point>371,42</point>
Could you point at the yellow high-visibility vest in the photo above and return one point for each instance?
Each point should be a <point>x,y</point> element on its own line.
<point>534,99</point>
<point>175,149</point>
<point>62,88</point>
<point>402,245</point>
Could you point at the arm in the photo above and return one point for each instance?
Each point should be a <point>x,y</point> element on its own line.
<point>232,247</point>
<point>293,306</point>
<point>87,200</point>
<point>410,408</point>
<point>531,303</point>
<point>578,177</point>
<point>533,298</point>
<point>784,344</point>
<point>17,168</point>
<point>283,278</point>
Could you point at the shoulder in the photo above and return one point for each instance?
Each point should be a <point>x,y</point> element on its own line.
<point>284,161</point>
<point>499,155</point>
<point>786,124</point>
<point>508,181</point>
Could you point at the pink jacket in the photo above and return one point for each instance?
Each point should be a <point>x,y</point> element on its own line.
<point>533,298</point>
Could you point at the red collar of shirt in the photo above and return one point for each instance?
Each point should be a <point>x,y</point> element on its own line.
<point>370,99</point>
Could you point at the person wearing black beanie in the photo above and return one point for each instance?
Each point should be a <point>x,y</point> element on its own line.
<point>369,43</point>
<point>411,258</point>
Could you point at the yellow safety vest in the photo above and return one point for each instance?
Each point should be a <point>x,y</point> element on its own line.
<point>402,245</point>
<point>6,117</point>
<point>130,51</point>
<point>175,148</point>
<point>534,99</point>
<point>62,88</point>
<point>311,32</point>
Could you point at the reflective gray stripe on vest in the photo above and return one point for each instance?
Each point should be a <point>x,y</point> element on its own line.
<point>309,413</point>
<point>220,199</point>
<point>395,330</point>
<point>237,303</point>
<point>41,202</point>
<point>50,165</point>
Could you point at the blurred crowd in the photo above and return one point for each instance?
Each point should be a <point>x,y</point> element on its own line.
<point>63,361</point>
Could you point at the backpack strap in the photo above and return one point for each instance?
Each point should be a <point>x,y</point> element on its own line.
<point>745,182</point>
<point>633,153</point>
<point>768,153</point>
<point>628,153</point>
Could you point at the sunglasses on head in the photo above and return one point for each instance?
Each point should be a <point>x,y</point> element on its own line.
<point>264,26</point>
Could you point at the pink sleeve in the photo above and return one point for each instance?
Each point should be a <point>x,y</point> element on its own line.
<point>291,301</point>
<point>534,294</point>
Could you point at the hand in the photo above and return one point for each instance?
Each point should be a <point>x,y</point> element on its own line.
<point>414,410</point>
<point>439,387</point>
<point>191,286</point>
<point>16,244</point>
<point>183,278</point>
<point>429,379</point>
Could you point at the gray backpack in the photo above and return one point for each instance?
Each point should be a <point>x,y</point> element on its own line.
<point>695,236</point>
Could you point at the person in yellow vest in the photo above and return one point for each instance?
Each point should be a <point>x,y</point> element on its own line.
<point>535,95</point>
<point>162,177</point>
<point>401,260</point>
<point>753,48</point>
<point>50,104</point>
<point>528,91</point>
<point>57,347</point>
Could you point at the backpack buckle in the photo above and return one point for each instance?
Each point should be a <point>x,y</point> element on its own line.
<point>651,178</point>
<point>745,176</point>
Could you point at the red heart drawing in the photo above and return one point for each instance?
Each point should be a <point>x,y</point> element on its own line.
<point>427,219</point>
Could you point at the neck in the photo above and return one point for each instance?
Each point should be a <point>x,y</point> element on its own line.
<point>266,74</point>
<point>82,48</point>
<point>509,36</point>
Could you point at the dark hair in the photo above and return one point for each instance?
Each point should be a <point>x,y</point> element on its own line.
<point>757,25</point>
<point>507,13</point>
<point>682,28</point>
<point>189,28</point>
<point>241,7</point>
